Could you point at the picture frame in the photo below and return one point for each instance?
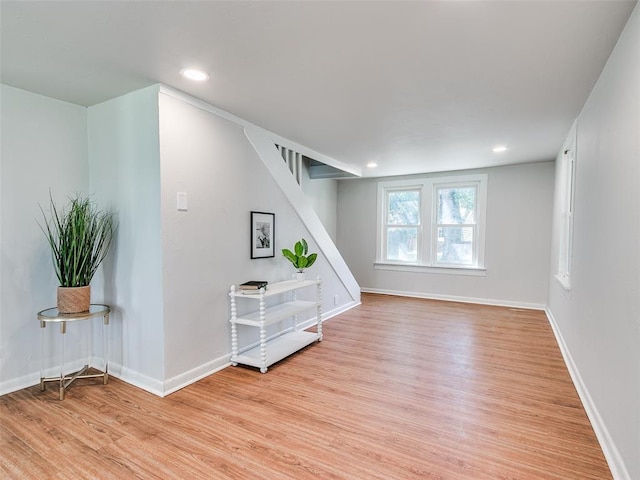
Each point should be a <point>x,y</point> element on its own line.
<point>263,238</point>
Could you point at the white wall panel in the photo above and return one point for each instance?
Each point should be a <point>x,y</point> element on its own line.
<point>207,247</point>
<point>43,148</point>
<point>518,226</point>
<point>599,319</point>
<point>125,176</point>
<point>323,195</point>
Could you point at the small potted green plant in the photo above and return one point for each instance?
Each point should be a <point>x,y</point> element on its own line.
<point>79,237</point>
<point>300,257</point>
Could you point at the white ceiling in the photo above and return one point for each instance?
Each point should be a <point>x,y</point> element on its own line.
<point>415,86</point>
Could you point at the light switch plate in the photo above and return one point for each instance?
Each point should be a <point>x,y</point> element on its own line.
<point>182,202</point>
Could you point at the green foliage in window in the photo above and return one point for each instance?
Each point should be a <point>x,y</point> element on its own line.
<point>403,207</point>
<point>456,206</point>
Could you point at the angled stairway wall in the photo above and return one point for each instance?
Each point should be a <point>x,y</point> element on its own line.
<point>266,150</point>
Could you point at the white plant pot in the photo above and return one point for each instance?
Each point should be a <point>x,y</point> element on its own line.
<point>301,276</point>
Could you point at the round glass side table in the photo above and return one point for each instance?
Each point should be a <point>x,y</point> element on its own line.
<point>53,316</point>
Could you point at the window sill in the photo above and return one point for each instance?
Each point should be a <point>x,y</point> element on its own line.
<point>403,267</point>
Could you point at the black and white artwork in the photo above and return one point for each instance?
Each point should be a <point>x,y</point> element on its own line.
<point>263,234</point>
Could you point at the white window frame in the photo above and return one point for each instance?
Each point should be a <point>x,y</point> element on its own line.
<point>427,247</point>
<point>386,226</point>
<point>566,197</point>
<point>476,259</point>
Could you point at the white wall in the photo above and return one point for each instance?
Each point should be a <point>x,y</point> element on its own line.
<point>207,248</point>
<point>43,147</point>
<point>323,195</point>
<point>168,274</point>
<point>598,321</point>
<point>125,176</point>
<point>517,240</point>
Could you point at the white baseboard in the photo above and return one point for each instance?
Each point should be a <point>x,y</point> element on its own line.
<point>338,310</point>
<point>187,378</point>
<point>160,388</point>
<point>148,384</point>
<point>33,378</point>
<point>182,380</point>
<point>325,316</point>
<point>454,298</point>
<point>611,453</point>
<point>126,375</point>
<point>15,384</point>
<point>136,379</point>
<point>192,376</point>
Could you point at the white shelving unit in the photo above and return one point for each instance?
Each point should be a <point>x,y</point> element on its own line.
<point>270,351</point>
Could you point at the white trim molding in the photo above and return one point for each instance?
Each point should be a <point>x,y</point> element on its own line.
<point>192,376</point>
<point>455,298</point>
<point>404,267</point>
<point>611,453</point>
<point>14,384</point>
<point>136,379</point>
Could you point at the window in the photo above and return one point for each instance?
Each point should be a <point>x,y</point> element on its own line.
<point>566,195</point>
<point>435,222</point>
<point>402,225</point>
<point>455,226</point>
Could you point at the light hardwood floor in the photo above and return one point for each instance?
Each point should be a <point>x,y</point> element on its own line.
<point>399,389</point>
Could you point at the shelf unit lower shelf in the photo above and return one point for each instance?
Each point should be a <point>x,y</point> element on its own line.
<point>277,349</point>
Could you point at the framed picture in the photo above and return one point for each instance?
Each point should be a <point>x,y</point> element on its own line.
<point>263,238</point>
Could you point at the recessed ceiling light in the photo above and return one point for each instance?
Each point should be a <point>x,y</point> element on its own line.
<point>372,165</point>
<point>499,149</point>
<point>193,74</point>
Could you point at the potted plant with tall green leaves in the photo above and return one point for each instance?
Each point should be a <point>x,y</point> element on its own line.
<point>79,236</point>
<point>300,257</point>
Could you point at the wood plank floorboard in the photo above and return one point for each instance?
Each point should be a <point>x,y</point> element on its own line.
<point>400,388</point>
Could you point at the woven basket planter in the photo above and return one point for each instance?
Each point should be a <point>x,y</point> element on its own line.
<point>74,299</point>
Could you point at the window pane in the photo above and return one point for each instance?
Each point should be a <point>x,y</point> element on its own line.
<point>402,244</point>
<point>456,205</point>
<point>455,245</point>
<point>403,208</point>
